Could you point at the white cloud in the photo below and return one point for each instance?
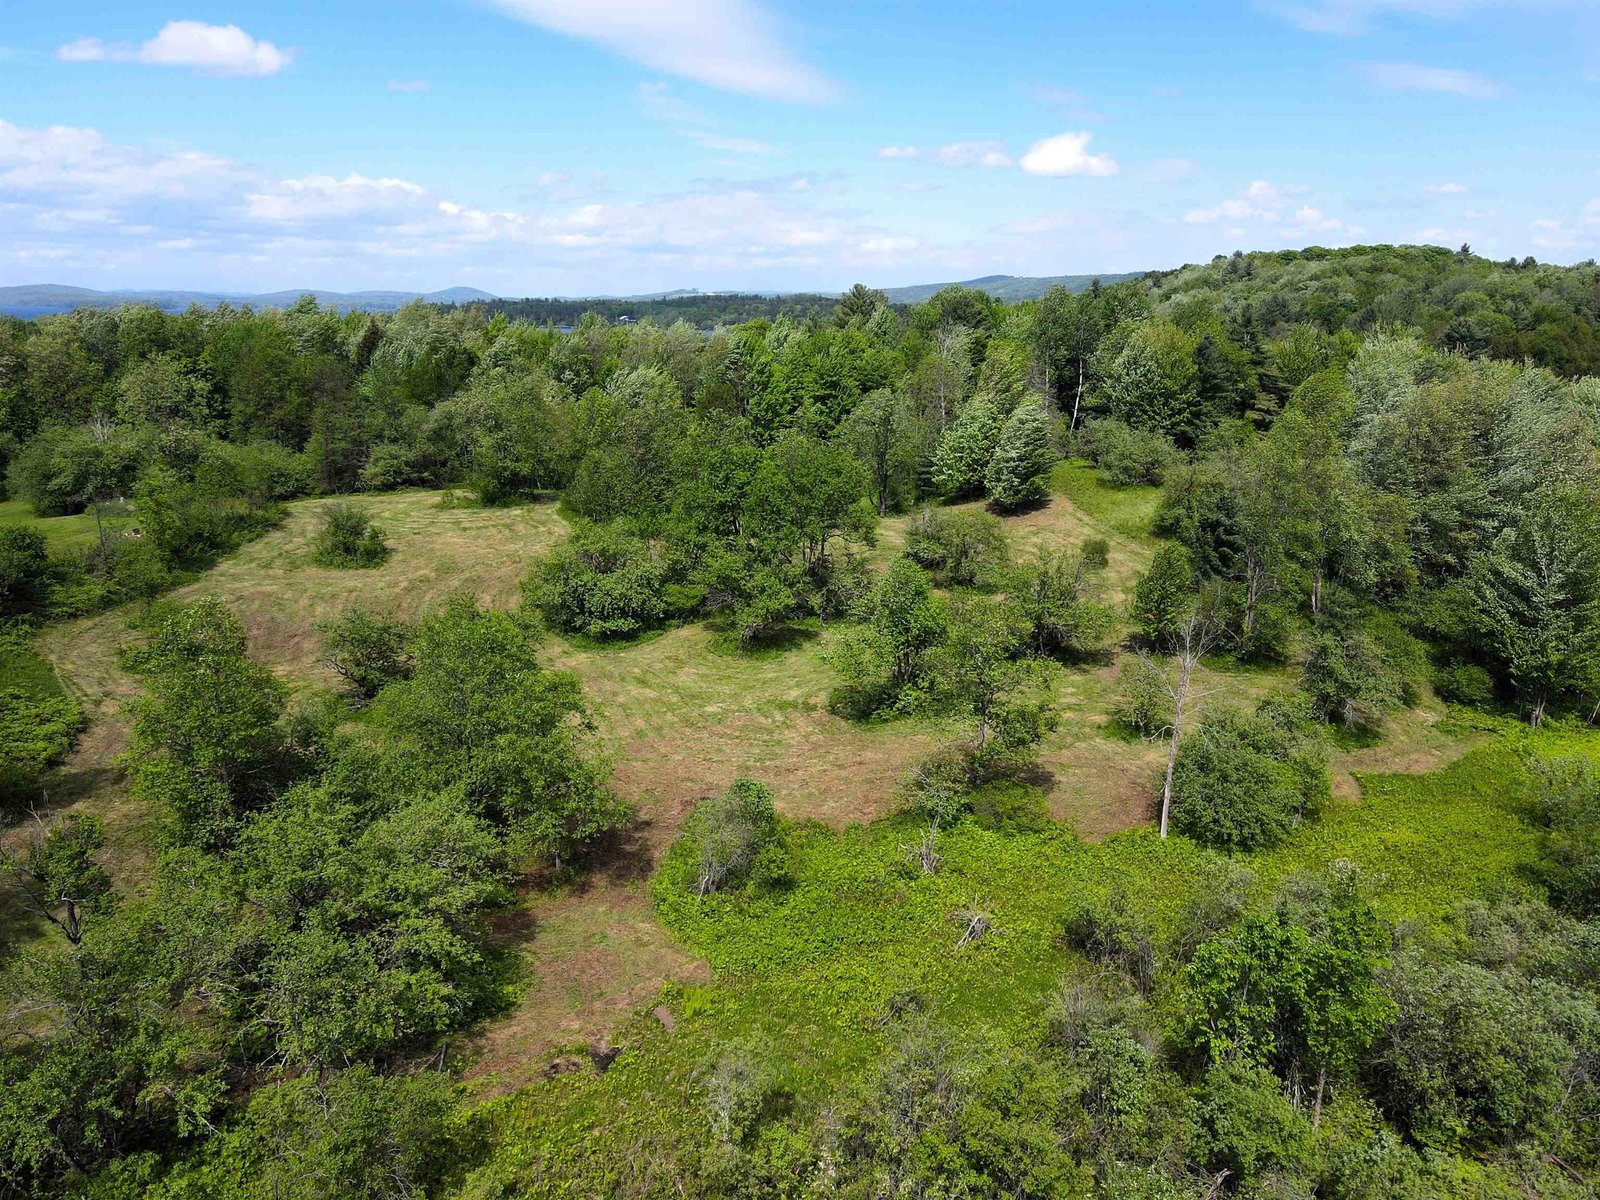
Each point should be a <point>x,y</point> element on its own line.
<point>1447,189</point>
<point>889,245</point>
<point>1352,17</point>
<point>320,197</point>
<point>899,152</point>
<point>729,44</point>
<point>1416,77</point>
<point>1260,201</point>
<point>661,105</point>
<point>554,178</point>
<point>410,85</point>
<point>1066,154</point>
<point>62,161</point>
<point>729,145</point>
<point>1552,234</point>
<point>973,154</point>
<point>208,49</point>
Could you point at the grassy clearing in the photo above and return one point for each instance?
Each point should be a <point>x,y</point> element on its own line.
<point>1129,511</point>
<point>63,534</point>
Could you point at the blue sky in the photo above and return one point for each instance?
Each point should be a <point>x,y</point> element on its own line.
<point>538,147</point>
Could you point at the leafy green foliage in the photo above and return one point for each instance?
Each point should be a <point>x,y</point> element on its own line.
<point>484,717</point>
<point>346,537</point>
<point>1015,477</point>
<point>599,582</point>
<point>367,651</point>
<point>207,744</point>
<point>36,732</point>
<point>1243,782</point>
<point>965,547</point>
<point>1163,596</point>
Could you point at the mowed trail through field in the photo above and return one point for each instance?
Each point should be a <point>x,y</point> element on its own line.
<point>680,715</point>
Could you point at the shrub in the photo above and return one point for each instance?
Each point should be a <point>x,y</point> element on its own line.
<point>36,733</point>
<point>1096,554</point>
<point>346,537</point>
<point>600,582</point>
<point>963,548</point>
<point>1143,701</point>
<point>737,837</point>
<point>1464,683</point>
<point>1057,600</point>
<point>1010,806</point>
<point>24,569</point>
<point>1108,931</point>
<point>1243,782</point>
<point>368,652</point>
<point>1350,681</point>
<point>1128,456</point>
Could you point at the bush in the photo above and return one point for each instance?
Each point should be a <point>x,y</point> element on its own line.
<point>1350,681</point>
<point>24,569</point>
<point>368,652</point>
<point>600,582</point>
<point>1128,456</point>
<point>1143,702</point>
<point>1464,683</point>
<point>963,548</point>
<point>1096,554</point>
<point>346,537</point>
<point>1243,782</point>
<point>737,839</point>
<point>1010,806</point>
<point>36,733</point>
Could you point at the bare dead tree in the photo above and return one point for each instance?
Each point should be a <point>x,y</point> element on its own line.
<point>976,924</point>
<point>923,851</point>
<point>1196,637</point>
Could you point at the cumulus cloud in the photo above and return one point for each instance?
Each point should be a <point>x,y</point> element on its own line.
<point>899,152</point>
<point>973,154</point>
<point>1260,201</point>
<point>1066,154</point>
<point>728,44</point>
<point>1416,77</point>
<point>1276,210</point>
<point>75,199</point>
<point>207,49</point>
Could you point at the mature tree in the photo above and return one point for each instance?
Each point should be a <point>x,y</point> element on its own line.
<point>206,739</point>
<point>1023,456</point>
<point>1163,598</point>
<point>964,452</point>
<point>24,569</point>
<point>368,652</point>
<point>1537,589</point>
<point>1151,384</point>
<point>59,875</point>
<point>885,662</point>
<point>858,306</point>
<point>886,435</point>
<point>513,736</point>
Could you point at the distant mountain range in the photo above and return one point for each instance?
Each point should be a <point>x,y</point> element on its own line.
<point>37,299</point>
<point>1008,287</point>
<point>40,299</point>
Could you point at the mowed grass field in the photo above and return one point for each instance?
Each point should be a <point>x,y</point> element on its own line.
<point>681,716</point>
<point>62,534</point>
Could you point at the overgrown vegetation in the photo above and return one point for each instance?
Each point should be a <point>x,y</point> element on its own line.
<point>1320,482</point>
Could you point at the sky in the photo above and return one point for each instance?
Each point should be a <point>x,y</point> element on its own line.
<point>592,147</point>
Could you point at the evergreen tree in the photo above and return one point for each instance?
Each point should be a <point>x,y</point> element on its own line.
<point>965,450</point>
<point>1016,474</point>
